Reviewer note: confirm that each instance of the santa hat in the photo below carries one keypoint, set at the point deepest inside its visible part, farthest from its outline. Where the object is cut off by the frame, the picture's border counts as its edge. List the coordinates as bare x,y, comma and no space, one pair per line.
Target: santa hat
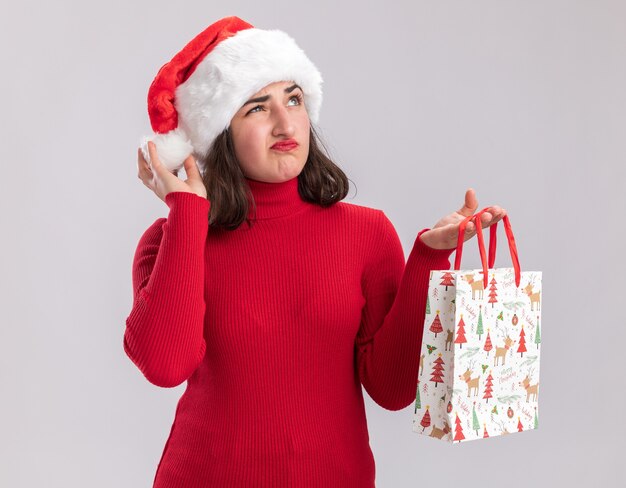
195,95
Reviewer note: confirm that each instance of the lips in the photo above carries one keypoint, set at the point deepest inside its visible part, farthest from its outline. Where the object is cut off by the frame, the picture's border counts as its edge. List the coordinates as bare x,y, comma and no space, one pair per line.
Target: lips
285,145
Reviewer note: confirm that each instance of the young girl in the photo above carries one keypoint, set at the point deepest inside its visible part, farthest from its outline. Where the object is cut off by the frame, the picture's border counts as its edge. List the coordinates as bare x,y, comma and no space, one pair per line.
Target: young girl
273,299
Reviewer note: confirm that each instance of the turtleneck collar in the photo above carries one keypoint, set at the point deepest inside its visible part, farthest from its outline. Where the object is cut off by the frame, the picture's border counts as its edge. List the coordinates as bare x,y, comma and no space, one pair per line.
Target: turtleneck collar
275,199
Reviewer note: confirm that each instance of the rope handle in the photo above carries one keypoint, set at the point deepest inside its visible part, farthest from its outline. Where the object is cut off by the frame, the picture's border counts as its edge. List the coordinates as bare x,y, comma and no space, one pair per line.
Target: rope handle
487,264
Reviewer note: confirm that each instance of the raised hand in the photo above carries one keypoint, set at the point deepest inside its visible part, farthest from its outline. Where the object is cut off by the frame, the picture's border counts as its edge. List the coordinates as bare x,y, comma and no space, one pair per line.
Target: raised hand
161,181
445,233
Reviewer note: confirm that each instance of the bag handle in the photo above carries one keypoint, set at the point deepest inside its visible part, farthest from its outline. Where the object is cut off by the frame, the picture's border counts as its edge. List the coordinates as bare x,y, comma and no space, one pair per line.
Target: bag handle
492,245
492,240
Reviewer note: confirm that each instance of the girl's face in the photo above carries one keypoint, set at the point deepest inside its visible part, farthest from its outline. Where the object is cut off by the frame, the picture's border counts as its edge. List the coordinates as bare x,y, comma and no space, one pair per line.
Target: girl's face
273,115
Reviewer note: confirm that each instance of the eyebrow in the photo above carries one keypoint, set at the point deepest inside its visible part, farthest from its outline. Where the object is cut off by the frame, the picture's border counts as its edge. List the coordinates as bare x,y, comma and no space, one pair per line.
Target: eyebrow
267,97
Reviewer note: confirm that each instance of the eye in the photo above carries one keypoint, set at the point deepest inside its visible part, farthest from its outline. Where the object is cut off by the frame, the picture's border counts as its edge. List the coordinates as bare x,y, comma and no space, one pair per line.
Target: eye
297,96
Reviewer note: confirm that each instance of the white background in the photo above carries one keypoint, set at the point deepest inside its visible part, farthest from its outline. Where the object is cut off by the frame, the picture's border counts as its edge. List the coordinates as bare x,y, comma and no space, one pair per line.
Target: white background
524,101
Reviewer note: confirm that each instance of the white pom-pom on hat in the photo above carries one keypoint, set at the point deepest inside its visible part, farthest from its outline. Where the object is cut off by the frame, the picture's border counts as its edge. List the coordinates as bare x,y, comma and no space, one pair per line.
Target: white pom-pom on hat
171,147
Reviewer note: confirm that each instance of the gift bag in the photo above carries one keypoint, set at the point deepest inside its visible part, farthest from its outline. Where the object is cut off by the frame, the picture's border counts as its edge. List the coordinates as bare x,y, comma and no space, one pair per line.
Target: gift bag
479,363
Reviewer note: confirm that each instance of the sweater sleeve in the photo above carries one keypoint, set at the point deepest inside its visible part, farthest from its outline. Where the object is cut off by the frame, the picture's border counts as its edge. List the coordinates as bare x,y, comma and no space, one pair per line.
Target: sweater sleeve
164,330
389,339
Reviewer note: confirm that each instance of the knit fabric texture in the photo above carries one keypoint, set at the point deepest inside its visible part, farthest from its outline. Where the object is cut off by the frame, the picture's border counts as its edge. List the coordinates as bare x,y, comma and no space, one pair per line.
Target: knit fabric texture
275,329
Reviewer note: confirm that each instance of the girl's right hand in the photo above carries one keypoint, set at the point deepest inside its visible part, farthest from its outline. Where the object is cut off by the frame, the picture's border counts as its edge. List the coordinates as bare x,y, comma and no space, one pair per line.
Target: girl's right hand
161,181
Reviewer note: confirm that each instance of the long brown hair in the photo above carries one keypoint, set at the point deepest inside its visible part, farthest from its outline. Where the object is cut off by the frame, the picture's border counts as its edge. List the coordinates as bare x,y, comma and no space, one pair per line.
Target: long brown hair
321,181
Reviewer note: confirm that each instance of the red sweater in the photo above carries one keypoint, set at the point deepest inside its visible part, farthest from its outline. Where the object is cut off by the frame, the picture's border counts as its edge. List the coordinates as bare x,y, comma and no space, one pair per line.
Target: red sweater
275,328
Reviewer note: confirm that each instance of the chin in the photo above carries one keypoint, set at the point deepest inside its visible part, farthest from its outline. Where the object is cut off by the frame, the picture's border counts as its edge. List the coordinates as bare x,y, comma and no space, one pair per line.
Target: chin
289,170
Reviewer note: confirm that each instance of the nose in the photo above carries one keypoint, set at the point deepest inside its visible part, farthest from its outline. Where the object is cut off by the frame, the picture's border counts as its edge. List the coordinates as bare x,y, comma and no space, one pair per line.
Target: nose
283,123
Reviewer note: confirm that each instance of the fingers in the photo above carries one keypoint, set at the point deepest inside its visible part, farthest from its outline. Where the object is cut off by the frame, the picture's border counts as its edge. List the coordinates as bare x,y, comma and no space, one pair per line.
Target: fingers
488,218
149,170
144,173
157,167
495,214
471,203
191,168
154,159
470,229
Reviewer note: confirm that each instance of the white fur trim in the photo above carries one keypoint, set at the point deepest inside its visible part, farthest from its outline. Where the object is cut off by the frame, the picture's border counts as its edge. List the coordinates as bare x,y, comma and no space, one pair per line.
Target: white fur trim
172,148
232,72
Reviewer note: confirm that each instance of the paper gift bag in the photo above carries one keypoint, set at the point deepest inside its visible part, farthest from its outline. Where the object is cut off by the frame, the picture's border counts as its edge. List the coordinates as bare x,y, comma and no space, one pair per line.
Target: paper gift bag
479,363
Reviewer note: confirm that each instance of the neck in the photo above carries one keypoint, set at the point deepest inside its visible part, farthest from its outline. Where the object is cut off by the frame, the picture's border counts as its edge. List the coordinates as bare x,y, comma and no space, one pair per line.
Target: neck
275,199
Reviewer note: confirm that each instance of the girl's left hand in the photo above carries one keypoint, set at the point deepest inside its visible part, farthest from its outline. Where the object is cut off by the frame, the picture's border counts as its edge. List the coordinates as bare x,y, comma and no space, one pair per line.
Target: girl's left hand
445,233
